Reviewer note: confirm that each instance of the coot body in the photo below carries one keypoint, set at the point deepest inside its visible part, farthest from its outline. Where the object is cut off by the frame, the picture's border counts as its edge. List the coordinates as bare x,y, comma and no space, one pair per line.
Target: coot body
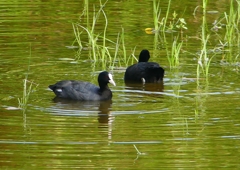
144,71
85,91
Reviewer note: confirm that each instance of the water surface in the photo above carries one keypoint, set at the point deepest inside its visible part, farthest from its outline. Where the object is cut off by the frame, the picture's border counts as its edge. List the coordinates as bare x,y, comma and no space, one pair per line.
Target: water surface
182,123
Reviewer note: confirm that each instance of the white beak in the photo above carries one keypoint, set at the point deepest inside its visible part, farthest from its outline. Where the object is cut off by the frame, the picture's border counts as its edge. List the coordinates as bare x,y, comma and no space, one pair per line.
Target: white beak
111,79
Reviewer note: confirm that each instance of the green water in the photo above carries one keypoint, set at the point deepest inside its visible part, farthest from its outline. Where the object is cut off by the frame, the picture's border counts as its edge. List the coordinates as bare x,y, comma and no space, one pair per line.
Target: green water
181,124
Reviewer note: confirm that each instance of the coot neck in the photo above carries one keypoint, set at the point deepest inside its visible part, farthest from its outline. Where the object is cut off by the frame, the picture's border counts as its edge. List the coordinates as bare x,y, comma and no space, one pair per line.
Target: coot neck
143,58
103,87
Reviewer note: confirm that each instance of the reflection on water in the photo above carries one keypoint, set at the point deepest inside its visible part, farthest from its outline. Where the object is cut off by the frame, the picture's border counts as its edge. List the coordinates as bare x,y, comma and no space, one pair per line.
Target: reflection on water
148,89
154,87
103,108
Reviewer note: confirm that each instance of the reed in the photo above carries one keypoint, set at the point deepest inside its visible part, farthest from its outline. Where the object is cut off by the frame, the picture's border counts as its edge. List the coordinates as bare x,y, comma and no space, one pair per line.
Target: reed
27,90
123,47
116,51
86,12
120,54
77,35
76,31
166,17
232,35
97,51
204,60
99,45
104,48
159,26
156,15
173,59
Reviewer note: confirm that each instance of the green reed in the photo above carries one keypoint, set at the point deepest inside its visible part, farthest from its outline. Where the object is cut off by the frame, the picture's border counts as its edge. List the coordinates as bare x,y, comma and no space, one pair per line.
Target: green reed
98,44
160,26
77,34
123,47
27,90
76,31
173,59
116,51
86,12
232,35
156,14
204,61
97,50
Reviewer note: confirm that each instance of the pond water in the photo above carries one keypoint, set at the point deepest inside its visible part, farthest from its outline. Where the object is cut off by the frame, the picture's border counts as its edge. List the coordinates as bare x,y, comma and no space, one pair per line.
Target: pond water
183,123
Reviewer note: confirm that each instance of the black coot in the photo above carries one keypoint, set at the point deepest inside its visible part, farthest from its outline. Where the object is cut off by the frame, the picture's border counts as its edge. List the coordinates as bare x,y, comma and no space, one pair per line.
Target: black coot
144,71
80,90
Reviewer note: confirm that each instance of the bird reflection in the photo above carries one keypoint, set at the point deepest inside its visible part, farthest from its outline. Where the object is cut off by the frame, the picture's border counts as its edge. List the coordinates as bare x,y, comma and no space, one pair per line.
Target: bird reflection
153,87
103,107
104,111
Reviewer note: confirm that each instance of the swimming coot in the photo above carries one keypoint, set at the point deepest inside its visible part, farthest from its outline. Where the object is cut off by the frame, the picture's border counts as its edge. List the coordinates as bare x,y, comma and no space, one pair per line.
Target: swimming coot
144,71
80,90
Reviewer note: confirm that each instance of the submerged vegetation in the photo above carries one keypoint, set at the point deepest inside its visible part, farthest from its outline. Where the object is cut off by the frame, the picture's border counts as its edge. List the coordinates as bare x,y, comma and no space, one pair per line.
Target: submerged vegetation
170,31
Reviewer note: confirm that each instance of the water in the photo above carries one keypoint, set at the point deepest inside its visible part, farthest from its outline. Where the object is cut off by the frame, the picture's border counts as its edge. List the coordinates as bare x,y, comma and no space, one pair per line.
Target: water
177,125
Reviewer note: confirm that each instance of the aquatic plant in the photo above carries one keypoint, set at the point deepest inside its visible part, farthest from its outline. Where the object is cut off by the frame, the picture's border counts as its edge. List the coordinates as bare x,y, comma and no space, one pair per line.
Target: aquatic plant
27,90
156,16
161,26
228,44
173,59
23,101
99,46
160,30
123,47
98,51
204,60
232,35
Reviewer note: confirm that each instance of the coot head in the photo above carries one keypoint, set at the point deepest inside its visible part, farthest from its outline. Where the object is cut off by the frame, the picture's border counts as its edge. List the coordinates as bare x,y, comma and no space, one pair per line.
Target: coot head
144,56
104,78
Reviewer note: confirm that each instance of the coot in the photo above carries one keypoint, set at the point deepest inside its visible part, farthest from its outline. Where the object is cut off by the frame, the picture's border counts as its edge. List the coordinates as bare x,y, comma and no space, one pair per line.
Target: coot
85,91
144,71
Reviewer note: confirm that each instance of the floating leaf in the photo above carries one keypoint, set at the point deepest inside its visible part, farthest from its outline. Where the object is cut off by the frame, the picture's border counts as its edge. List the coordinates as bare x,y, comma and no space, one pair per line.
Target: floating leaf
150,30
